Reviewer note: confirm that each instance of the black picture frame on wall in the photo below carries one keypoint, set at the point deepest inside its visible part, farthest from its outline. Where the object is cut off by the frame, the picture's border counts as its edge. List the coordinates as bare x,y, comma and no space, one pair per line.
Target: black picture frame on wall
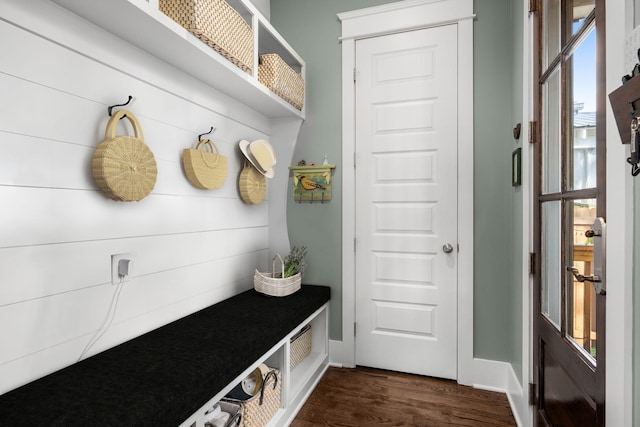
516,167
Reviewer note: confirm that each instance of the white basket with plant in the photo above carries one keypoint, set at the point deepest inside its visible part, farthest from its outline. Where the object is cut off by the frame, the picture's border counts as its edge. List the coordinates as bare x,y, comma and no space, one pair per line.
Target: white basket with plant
287,280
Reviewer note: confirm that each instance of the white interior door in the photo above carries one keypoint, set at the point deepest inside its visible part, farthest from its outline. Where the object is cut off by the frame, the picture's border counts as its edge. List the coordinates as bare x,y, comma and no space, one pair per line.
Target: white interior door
406,202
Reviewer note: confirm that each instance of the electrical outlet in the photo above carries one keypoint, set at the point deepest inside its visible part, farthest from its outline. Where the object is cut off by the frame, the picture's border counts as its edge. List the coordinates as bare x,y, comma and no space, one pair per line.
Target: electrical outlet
115,264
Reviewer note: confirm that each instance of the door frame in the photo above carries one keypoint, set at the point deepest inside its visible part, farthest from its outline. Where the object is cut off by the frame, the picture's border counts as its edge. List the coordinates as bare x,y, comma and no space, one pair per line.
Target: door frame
388,19
620,225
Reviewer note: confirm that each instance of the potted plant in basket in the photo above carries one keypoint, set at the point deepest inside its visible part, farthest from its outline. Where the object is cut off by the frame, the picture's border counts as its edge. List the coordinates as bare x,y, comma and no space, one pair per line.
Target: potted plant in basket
294,263
286,281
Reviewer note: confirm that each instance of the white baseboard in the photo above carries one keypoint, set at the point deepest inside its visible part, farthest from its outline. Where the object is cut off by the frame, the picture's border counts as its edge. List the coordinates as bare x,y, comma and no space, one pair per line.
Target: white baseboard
518,399
500,377
336,354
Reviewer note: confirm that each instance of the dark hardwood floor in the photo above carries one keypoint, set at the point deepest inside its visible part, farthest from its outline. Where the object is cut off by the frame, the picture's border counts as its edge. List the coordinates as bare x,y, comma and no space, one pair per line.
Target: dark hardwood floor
372,397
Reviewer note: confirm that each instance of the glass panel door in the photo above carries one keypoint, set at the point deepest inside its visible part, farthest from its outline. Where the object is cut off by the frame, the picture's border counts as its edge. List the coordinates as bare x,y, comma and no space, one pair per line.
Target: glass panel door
569,189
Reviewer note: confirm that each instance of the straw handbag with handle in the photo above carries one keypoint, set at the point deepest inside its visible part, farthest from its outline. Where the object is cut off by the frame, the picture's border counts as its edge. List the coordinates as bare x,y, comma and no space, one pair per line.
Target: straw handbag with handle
205,170
258,410
252,185
122,166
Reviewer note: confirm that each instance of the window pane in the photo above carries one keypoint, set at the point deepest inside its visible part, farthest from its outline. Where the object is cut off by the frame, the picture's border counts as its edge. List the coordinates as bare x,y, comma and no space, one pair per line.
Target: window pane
551,131
581,297
579,10
551,262
551,31
581,133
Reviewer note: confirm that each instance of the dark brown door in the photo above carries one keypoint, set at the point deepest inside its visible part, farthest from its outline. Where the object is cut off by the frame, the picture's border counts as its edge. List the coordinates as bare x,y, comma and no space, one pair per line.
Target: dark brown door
569,310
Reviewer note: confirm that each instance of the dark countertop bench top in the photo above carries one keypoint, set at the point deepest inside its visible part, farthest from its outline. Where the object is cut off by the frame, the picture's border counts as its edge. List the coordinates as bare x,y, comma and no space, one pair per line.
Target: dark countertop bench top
162,377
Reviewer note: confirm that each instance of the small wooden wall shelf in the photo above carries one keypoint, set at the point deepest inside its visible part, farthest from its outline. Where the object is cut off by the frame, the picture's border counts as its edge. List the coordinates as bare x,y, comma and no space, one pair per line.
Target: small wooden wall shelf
625,103
312,183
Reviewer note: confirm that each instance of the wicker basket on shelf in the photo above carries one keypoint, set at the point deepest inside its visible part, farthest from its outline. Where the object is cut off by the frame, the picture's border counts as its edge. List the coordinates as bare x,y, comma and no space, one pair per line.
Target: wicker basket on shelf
300,346
283,80
275,284
217,24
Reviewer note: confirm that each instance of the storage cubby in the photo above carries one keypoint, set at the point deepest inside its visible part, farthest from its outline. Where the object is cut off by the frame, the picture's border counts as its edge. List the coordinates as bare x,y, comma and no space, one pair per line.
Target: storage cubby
304,371
271,42
141,23
297,383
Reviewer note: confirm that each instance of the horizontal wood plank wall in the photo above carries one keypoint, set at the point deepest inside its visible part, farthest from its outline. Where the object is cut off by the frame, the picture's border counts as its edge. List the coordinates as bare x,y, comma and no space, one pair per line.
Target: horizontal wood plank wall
190,247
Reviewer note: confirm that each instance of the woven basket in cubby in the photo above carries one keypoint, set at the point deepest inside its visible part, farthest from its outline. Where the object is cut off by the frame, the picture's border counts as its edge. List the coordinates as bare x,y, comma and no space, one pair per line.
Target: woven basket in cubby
217,24
300,346
283,80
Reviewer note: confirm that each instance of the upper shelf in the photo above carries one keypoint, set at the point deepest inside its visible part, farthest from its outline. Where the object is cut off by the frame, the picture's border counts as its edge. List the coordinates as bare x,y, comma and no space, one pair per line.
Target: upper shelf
140,23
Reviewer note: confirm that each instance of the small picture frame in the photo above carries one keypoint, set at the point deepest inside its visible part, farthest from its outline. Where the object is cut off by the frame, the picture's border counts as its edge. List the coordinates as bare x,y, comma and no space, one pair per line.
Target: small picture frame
516,167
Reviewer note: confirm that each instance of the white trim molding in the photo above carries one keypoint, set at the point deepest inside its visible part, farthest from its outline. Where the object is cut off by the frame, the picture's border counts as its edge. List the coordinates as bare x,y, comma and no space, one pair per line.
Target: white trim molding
620,223
388,19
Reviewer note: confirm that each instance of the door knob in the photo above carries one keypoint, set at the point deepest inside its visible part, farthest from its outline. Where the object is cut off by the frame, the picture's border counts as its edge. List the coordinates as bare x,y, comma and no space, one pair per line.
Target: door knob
581,277
447,248
598,278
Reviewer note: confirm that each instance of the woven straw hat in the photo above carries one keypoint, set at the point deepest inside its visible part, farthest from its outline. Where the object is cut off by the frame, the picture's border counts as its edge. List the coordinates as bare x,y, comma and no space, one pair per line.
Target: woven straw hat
261,155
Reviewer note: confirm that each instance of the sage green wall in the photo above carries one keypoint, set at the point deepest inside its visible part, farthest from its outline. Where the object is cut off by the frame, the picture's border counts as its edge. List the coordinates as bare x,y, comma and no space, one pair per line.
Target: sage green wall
312,28
495,311
516,357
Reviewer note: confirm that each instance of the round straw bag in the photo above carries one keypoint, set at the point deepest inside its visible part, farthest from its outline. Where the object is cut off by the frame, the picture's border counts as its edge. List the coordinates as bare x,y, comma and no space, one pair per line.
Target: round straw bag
123,167
205,170
275,284
252,185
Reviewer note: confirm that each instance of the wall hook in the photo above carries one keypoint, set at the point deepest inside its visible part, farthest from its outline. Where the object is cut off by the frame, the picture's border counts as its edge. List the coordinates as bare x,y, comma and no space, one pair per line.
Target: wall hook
212,130
110,109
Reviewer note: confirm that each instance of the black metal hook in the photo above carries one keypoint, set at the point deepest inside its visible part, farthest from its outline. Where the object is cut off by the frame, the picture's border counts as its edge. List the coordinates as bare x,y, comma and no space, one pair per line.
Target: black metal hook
212,130
110,109
635,169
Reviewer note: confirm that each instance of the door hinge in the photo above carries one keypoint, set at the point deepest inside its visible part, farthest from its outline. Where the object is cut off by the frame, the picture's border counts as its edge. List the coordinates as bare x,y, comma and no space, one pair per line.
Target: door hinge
533,6
532,263
533,132
355,328
355,72
533,398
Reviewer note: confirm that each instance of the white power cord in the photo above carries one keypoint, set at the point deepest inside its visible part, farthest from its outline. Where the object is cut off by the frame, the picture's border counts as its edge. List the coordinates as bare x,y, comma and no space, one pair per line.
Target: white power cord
107,322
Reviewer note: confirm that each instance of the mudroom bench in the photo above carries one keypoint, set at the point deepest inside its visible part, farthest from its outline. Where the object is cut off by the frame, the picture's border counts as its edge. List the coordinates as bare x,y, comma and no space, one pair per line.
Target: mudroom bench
172,375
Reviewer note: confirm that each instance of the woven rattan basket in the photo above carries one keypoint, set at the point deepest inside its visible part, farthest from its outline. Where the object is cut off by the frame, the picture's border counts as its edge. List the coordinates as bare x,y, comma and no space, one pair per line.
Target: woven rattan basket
300,346
252,185
273,284
205,170
258,410
122,166
278,76
217,24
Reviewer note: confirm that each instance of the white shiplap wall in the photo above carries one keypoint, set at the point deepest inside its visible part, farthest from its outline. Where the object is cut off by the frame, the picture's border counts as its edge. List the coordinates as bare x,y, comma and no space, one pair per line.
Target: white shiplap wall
190,247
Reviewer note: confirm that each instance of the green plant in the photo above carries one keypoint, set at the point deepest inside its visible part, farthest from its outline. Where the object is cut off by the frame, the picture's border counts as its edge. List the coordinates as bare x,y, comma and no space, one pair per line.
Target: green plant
294,263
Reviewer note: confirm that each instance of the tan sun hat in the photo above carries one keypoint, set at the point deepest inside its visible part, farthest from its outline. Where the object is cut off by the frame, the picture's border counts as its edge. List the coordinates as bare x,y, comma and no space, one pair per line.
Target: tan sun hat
261,155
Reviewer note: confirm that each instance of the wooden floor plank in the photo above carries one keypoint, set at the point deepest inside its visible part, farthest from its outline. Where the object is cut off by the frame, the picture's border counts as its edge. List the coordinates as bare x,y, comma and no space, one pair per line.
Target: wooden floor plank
372,397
